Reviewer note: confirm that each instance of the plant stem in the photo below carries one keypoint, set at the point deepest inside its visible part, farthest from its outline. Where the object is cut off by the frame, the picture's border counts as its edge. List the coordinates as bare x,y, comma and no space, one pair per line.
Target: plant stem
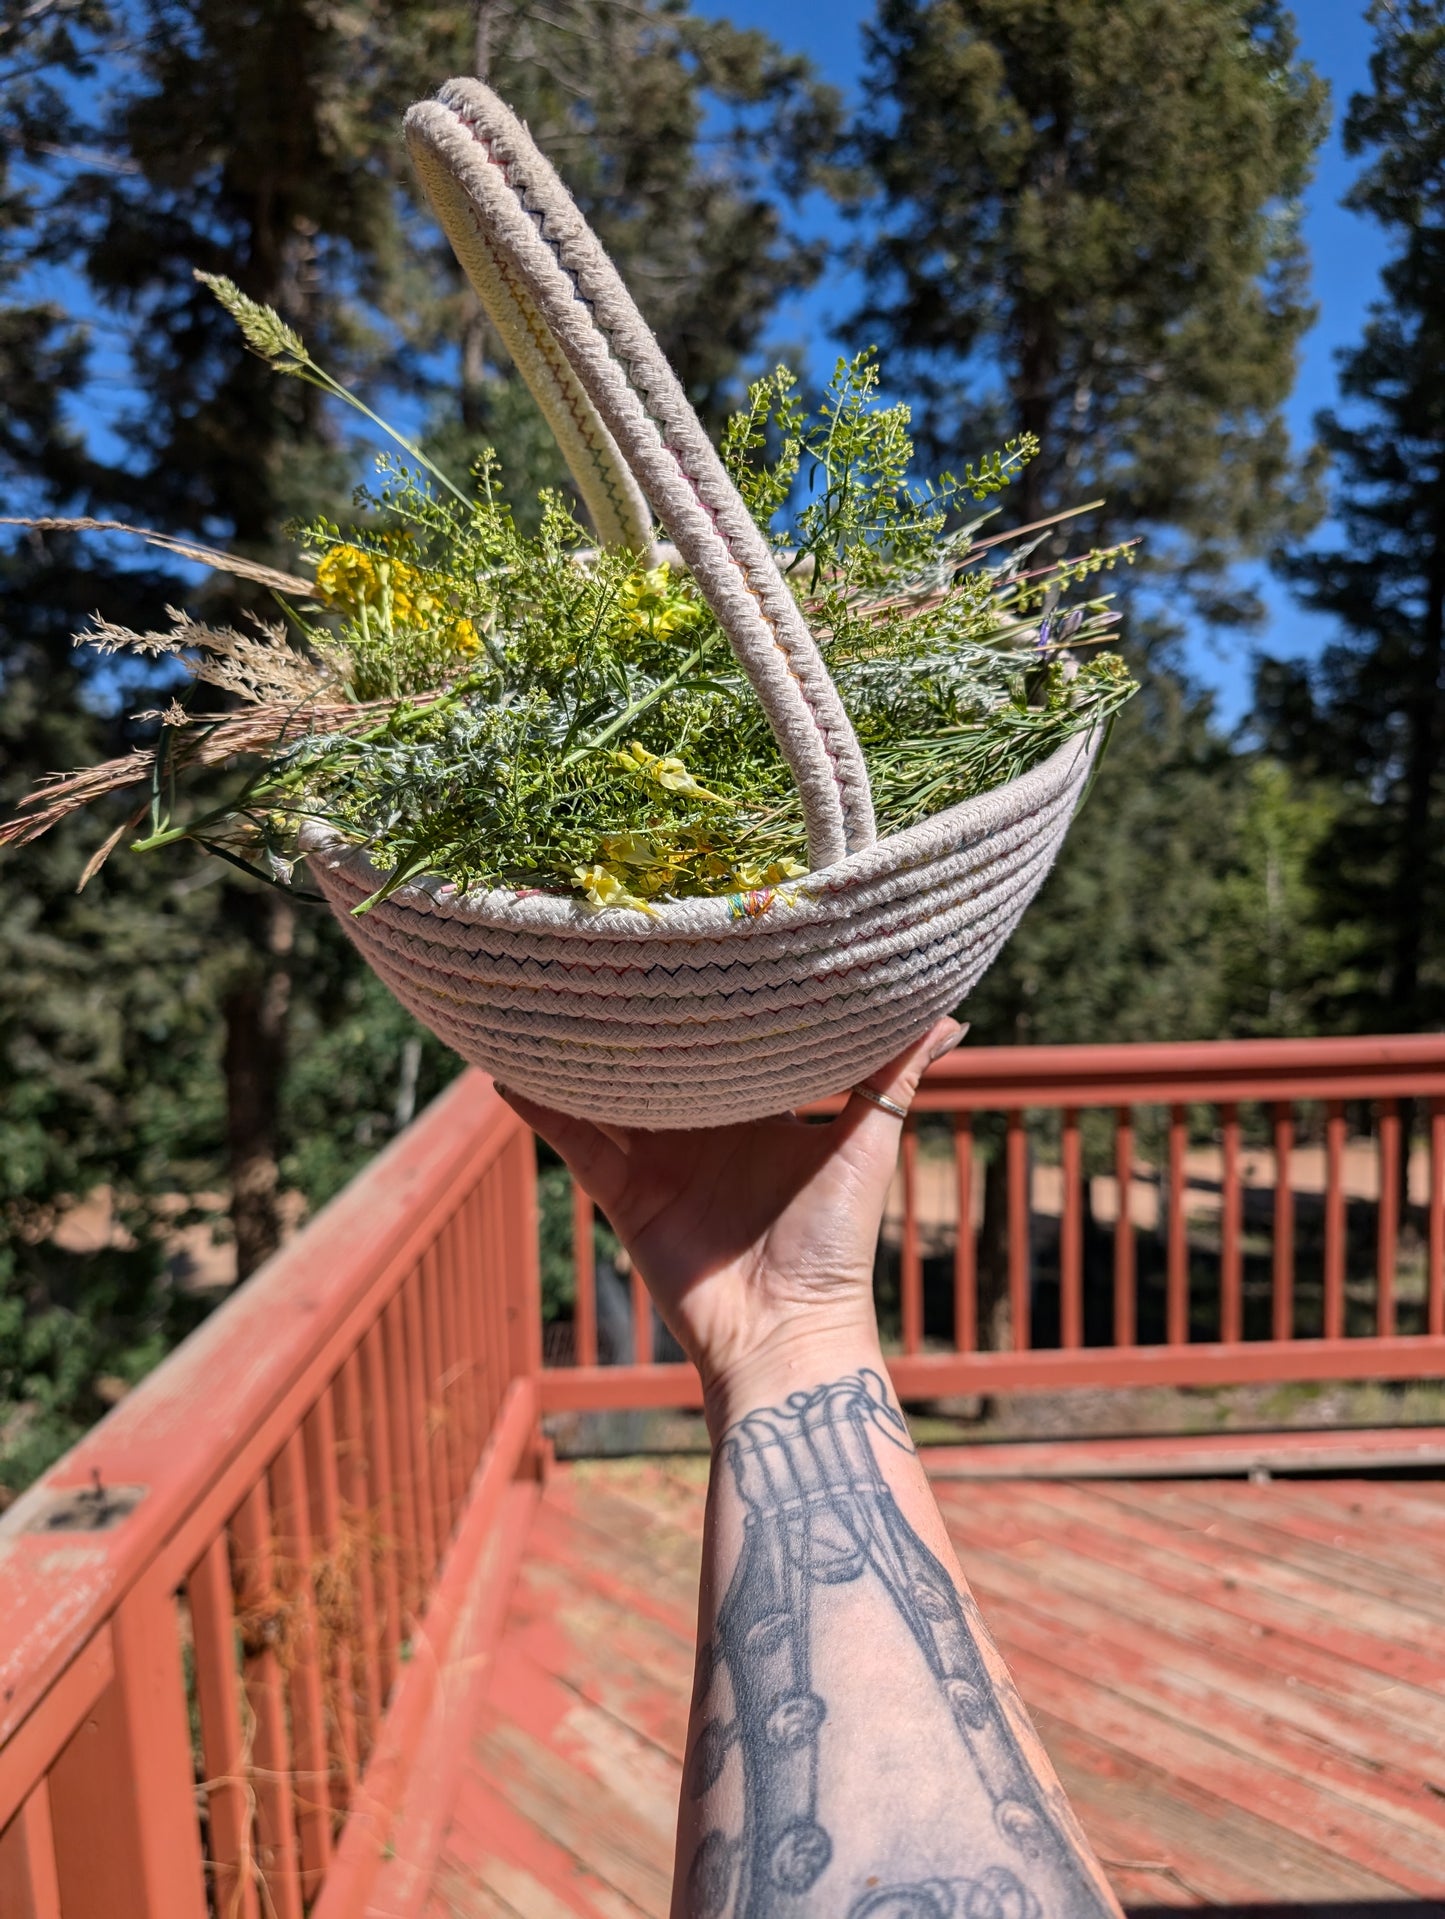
637,707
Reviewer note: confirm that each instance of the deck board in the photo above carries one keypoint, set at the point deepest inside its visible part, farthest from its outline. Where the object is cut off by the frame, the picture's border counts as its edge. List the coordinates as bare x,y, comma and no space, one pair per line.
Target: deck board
1242,1686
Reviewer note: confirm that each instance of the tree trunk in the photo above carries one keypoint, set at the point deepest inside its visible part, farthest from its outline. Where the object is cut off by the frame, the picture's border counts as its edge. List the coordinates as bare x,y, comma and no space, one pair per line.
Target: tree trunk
1418,852
255,1010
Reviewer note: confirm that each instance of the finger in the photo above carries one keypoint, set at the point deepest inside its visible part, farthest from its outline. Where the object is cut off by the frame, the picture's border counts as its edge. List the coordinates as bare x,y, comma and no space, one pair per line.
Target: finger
592,1154
898,1080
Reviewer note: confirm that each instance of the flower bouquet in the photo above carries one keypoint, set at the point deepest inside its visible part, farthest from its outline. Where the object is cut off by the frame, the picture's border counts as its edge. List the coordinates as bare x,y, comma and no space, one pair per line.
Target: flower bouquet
670,829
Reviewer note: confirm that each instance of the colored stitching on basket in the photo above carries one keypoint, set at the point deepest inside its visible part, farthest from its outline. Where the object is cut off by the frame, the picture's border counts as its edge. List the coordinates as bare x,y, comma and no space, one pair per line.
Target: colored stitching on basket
538,216
750,906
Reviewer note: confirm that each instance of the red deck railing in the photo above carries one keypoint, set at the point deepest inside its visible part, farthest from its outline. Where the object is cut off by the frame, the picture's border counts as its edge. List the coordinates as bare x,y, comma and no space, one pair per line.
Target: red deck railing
243,1622
1329,1312
226,1615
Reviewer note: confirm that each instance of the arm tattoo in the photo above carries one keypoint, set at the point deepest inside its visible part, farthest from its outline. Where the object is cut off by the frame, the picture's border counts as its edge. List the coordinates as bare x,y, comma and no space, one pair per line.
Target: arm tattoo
820,1515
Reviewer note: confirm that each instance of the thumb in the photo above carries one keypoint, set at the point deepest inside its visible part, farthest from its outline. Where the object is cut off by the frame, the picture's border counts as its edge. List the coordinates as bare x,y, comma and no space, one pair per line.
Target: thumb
897,1082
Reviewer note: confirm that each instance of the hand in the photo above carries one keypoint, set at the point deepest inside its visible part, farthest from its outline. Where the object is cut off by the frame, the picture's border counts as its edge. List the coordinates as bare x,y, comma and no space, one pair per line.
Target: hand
756,1241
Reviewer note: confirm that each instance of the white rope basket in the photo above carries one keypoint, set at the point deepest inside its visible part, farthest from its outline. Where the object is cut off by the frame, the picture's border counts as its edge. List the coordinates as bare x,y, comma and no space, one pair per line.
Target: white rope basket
708,1011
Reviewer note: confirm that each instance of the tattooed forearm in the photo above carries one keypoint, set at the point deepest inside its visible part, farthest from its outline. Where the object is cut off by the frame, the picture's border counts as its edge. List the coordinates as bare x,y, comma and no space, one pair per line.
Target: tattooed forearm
853,1753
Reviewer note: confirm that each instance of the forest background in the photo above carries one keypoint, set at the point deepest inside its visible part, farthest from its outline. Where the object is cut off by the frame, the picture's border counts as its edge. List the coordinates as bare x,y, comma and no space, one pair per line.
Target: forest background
1080,218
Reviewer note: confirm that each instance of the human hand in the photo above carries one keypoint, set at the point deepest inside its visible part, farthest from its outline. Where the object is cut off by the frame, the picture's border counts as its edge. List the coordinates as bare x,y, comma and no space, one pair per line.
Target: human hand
756,1241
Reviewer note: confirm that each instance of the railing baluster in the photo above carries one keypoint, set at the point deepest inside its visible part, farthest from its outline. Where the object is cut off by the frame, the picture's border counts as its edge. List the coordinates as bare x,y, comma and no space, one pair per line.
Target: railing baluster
584,1268
223,1743
123,1791
418,1424
454,1365
440,1438
965,1259
1388,1222
333,1580
641,1320
403,1466
1176,1308
385,1501
1435,1238
1282,1299
359,1519
488,1302
1071,1235
910,1270
464,1279
523,1266
1126,1330
29,1882
259,1606
305,1694
1019,1224
1231,1257
1334,1322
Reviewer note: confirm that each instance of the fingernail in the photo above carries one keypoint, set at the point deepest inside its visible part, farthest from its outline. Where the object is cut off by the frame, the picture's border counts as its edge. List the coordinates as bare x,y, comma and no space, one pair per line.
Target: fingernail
947,1045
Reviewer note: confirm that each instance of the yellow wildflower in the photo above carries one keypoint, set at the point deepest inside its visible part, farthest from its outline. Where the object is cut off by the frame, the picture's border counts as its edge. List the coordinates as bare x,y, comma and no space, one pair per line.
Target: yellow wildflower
667,772
351,578
603,887
650,607
634,849
749,875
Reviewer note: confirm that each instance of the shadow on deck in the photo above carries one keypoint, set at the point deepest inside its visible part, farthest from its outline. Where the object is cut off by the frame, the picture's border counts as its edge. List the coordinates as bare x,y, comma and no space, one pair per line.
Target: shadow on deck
1242,1686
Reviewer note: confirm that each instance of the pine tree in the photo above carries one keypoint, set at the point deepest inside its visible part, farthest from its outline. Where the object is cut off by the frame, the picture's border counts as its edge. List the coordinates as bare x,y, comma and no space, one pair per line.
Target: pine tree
679,137
1086,226
174,1029
1089,232
1371,714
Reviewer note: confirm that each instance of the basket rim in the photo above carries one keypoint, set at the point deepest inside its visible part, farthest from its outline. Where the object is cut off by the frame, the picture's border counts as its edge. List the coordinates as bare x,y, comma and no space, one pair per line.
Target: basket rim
720,915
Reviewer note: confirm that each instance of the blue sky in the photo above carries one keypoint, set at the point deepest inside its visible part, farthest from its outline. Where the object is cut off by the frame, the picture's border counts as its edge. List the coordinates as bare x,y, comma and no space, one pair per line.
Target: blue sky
1346,251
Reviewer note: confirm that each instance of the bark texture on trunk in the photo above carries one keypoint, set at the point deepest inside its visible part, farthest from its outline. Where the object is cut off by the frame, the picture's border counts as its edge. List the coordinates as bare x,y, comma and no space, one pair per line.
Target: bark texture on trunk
256,1010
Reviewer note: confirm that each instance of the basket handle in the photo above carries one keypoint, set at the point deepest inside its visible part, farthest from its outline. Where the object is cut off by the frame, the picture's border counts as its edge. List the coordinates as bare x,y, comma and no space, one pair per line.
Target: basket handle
627,430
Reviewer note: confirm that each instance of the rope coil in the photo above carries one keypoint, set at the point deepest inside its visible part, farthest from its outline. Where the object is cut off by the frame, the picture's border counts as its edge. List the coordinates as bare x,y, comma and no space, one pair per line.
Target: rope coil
708,1011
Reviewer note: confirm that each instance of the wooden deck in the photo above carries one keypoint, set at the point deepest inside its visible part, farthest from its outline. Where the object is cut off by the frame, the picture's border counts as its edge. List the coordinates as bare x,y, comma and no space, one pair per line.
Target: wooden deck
1242,1685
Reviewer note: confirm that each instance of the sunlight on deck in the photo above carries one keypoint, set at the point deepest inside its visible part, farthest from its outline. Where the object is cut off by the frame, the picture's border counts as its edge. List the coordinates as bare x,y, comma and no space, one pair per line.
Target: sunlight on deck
1242,1686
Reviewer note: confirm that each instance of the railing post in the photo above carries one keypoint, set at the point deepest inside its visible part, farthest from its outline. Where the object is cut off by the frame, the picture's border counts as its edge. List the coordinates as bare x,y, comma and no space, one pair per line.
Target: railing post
523,1274
1282,1300
29,1887
1125,1275
965,1260
1071,1234
1435,1234
1020,1275
1336,1220
1388,1222
123,1792
910,1269
1176,1279
584,1270
1231,1248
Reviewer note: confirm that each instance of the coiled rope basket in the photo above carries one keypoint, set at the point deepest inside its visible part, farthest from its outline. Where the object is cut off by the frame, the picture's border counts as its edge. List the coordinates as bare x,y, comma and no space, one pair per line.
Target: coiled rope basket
710,1011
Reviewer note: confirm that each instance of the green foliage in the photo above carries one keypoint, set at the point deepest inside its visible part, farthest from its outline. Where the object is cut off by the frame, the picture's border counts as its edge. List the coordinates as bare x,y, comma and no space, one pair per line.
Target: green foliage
1370,714
539,722
1087,223
169,1029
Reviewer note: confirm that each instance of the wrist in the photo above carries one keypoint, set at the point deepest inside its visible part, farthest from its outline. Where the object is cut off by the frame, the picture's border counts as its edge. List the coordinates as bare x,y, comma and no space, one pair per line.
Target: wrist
804,1352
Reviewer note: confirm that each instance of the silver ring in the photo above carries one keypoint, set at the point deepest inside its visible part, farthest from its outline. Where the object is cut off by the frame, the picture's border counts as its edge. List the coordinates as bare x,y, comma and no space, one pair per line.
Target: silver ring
881,1099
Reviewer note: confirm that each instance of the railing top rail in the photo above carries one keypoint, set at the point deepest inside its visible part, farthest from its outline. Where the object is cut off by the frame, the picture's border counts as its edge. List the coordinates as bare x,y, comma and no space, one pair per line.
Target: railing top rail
192,1436
993,1078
